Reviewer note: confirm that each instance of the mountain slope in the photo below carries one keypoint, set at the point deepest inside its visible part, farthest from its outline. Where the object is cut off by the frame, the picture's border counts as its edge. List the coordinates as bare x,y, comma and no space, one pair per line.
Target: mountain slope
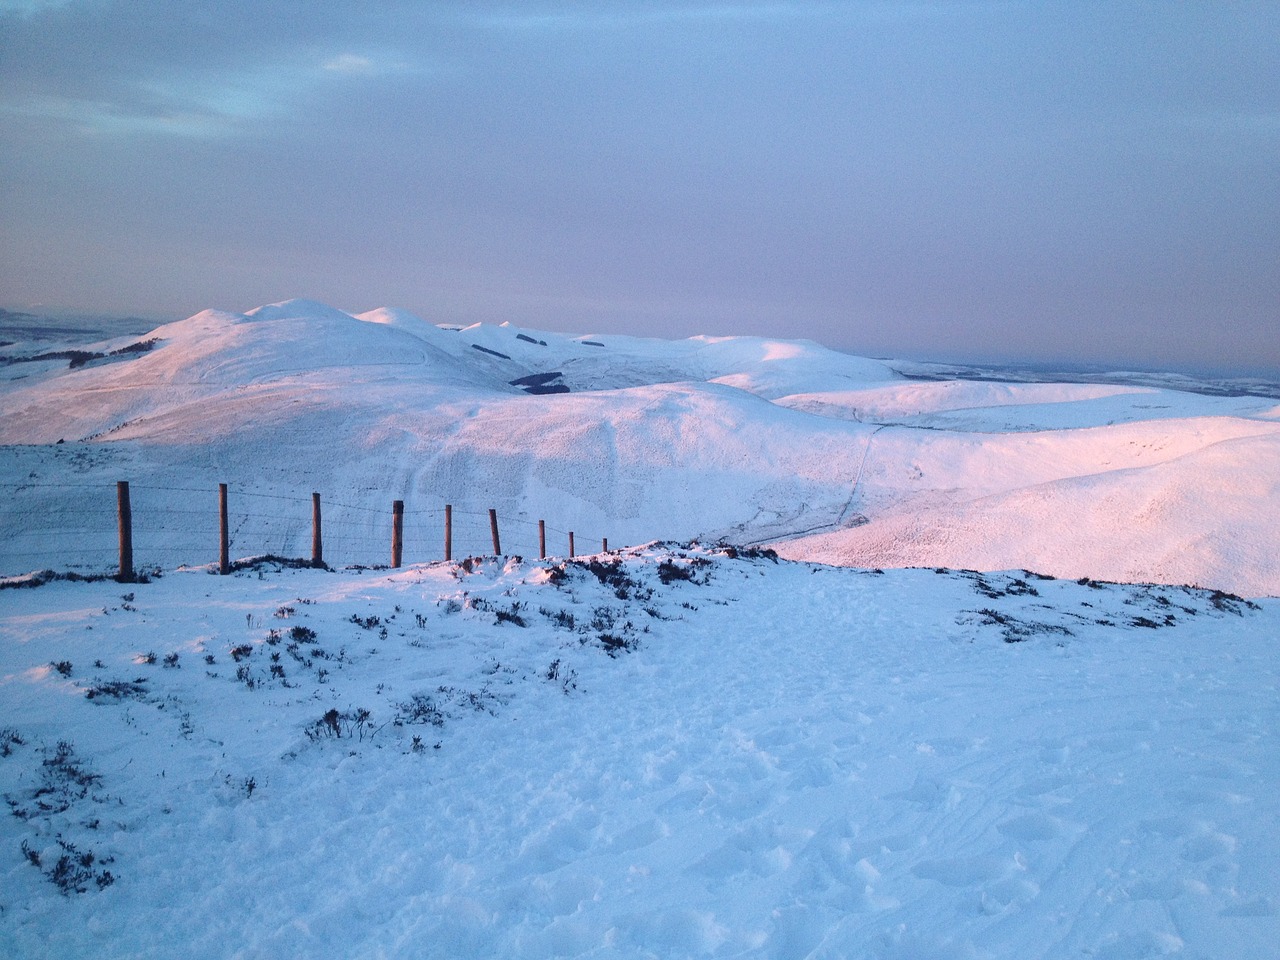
827,456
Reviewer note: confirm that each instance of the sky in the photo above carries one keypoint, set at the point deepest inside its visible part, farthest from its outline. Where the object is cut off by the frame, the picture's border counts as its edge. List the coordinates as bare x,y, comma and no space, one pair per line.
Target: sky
1055,182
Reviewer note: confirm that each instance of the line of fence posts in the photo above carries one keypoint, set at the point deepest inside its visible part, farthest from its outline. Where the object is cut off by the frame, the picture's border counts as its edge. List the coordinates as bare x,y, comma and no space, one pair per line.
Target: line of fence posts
124,515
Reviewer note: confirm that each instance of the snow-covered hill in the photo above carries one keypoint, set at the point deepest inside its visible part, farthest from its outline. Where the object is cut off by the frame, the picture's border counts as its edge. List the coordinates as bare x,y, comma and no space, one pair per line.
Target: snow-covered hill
824,455
669,753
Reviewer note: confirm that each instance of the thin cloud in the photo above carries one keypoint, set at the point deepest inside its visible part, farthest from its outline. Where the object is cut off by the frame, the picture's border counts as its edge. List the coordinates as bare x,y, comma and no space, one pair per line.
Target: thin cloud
183,107
625,17
386,63
92,117
207,105
30,8
349,63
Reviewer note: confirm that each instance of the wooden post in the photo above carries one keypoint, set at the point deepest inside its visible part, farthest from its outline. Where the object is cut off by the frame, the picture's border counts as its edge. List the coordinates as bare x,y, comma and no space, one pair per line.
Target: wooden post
542,539
224,538
604,545
124,517
317,541
570,543
397,532
493,529
448,531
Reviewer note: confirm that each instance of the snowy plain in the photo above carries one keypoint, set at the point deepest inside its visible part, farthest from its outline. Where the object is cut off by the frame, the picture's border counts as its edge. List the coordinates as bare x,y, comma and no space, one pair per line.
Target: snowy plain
668,751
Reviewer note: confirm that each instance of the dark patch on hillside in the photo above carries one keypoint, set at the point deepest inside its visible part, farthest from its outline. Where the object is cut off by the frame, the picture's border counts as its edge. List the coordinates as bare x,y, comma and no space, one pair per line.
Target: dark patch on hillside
541,383
78,358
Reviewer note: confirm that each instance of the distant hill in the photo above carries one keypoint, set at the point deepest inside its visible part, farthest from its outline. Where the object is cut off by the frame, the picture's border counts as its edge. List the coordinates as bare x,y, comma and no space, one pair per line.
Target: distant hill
823,455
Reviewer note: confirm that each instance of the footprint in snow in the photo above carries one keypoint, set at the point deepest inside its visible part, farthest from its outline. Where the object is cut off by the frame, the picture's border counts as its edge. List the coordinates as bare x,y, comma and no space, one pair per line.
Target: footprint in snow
1138,946
1162,889
1031,827
964,871
1255,907
1208,845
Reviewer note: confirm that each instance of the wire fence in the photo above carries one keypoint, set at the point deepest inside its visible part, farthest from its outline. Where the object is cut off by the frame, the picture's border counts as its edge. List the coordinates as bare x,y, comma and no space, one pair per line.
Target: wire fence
79,527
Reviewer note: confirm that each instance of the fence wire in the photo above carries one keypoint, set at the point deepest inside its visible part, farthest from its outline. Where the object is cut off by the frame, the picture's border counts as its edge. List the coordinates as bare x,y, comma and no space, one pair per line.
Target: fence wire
76,527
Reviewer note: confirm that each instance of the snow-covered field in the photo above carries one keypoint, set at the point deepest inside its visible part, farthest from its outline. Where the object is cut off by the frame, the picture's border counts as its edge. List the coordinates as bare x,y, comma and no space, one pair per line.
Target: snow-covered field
668,754
822,455
668,751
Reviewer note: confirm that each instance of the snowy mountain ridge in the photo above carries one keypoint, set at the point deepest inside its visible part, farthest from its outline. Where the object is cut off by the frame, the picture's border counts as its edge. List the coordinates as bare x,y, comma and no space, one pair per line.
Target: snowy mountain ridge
822,455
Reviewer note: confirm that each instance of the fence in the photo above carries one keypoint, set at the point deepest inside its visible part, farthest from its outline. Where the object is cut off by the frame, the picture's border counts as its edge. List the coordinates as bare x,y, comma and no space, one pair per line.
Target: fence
94,526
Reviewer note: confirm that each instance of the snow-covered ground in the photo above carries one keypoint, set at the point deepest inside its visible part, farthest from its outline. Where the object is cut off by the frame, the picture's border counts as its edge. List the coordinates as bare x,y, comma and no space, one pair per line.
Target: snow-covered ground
672,753
823,455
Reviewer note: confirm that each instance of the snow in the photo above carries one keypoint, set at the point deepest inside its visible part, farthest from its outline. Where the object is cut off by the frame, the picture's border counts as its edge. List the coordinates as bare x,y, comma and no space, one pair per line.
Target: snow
919,751
823,455
778,759
1175,504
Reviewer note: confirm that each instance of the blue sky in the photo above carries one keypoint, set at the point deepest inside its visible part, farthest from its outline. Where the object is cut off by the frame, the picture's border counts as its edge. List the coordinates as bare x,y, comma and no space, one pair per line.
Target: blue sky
1090,182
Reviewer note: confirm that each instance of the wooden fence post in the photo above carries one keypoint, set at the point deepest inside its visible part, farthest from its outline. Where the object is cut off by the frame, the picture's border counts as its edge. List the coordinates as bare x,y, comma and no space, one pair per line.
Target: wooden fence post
571,543
448,531
493,529
317,541
124,516
397,532
604,545
542,539
224,538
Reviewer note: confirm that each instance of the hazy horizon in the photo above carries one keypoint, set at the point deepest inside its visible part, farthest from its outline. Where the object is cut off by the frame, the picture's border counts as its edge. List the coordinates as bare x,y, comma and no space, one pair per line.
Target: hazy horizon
964,181
97,322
